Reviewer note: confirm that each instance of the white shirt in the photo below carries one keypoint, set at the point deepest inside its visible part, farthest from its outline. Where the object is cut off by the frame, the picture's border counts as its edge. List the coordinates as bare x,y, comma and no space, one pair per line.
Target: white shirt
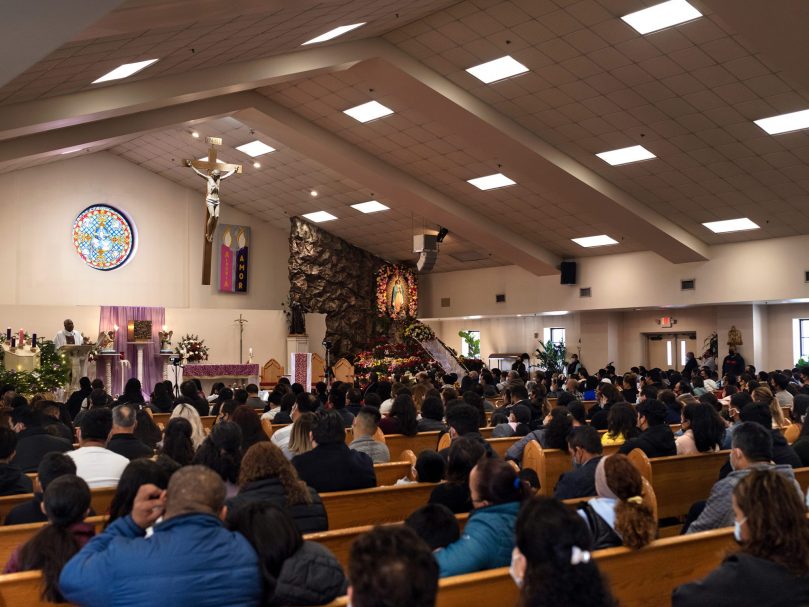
99,467
280,438
61,338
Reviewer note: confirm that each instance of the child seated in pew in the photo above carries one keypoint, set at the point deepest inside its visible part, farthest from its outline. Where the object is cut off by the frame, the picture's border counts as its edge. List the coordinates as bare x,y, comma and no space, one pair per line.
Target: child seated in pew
517,425
429,468
66,504
436,525
551,562
52,466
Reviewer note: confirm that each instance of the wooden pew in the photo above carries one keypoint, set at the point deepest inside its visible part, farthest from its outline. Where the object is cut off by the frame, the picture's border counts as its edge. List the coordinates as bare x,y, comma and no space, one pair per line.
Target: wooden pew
550,464
374,506
802,476
13,536
679,480
161,419
388,474
100,500
423,441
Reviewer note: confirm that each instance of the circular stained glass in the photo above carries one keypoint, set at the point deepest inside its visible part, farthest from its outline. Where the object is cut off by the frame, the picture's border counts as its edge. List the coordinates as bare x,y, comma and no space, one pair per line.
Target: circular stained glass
103,237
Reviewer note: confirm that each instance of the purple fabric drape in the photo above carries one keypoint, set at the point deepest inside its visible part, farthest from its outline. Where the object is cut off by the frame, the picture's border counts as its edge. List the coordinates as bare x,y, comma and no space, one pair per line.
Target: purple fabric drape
152,363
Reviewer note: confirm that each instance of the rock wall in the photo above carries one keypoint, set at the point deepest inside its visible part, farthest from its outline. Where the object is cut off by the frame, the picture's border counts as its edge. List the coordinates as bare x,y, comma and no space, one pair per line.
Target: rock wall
329,276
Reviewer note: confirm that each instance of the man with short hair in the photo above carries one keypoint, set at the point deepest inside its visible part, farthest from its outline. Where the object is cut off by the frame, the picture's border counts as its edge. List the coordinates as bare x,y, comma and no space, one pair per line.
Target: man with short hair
50,414
33,441
394,563
365,425
122,439
584,446
435,524
98,399
253,399
464,420
733,364
67,336
96,464
190,559
52,466
337,402
331,465
12,479
782,395
656,438
751,449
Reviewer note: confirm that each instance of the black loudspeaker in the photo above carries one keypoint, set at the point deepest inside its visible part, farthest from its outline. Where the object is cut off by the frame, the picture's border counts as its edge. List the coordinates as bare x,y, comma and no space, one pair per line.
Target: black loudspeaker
568,270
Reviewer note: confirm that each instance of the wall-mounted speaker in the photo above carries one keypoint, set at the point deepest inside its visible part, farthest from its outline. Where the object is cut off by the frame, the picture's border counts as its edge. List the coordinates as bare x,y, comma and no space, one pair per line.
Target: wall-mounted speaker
500,298
426,261
568,272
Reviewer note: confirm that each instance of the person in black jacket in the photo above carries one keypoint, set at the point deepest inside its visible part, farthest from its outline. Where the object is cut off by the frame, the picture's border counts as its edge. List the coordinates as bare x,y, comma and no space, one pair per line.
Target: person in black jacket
76,399
33,441
656,438
584,444
331,465
12,480
772,567
50,414
122,439
52,466
266,476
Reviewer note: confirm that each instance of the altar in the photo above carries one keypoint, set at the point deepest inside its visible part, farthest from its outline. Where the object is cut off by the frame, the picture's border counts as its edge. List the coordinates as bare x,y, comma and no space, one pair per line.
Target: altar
207,373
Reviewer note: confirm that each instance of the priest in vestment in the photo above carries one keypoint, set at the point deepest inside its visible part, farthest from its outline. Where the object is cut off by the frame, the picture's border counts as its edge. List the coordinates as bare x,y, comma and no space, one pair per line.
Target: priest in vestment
68,336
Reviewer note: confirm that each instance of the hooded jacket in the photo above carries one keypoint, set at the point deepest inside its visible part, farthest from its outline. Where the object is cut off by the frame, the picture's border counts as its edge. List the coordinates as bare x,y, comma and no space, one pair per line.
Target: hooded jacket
309,518
13,481
311,576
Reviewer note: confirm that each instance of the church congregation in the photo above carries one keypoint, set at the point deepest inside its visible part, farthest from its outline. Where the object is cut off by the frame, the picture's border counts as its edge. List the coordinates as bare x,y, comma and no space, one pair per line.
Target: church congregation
405,303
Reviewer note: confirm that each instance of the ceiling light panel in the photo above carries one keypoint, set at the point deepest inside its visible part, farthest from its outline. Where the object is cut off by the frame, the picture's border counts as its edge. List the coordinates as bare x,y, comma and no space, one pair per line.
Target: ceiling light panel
498,69
337,31
319,216
255,148
636,153
731,225
595,241
784,123
660,16
125,71
368,111
490,182
372,206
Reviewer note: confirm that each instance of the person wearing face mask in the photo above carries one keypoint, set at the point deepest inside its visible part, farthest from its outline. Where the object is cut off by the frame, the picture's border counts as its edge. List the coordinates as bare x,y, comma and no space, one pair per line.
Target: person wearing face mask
751,450
551,563
772,567
584,446
656,438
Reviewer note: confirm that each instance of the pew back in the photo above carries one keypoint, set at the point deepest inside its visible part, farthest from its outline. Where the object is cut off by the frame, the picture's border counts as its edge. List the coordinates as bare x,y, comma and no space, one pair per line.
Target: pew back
374,506
100,500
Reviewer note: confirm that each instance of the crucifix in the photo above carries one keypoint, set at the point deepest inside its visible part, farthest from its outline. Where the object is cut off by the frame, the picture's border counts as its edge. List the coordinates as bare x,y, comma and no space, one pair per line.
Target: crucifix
241,322
212,171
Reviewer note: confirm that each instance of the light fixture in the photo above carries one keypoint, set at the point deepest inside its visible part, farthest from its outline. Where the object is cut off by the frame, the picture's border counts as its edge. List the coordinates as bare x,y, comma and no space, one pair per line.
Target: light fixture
218,160
556,313
313,193
195,135
125,71
368,111
636,153
476,317
255,148
601,240
659,16
257,165
337,31
319,216
372,206
490,182
498,69
784,123
731,225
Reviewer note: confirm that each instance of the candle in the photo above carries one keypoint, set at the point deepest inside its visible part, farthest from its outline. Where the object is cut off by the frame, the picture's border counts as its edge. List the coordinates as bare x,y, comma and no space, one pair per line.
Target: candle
165,328
13,342
34,340
8,334
115,328
250,350
22,338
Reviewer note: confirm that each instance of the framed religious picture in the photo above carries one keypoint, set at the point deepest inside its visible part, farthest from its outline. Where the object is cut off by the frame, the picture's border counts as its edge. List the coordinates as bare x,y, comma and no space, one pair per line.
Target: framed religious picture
233,247
396,292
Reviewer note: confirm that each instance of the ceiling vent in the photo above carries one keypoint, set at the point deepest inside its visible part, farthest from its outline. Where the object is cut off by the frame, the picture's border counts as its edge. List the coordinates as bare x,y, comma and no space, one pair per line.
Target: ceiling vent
585,292
688,285
806,277
500,298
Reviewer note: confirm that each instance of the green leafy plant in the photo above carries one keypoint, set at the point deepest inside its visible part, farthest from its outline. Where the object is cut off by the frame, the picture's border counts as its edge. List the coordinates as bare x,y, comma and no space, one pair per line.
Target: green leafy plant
552,356
472,344
802,362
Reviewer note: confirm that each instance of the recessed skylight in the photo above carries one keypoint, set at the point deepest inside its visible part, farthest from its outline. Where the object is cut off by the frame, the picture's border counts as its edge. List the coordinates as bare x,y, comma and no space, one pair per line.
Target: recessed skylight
498,69
372,206
255,148
368,111
594,241
319,216
785,123
337,31
125,71
731,225
666,14
636,153
490,182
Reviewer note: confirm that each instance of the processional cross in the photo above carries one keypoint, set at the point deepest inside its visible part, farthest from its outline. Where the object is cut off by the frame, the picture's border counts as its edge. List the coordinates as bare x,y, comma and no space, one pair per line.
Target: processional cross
241,322
212,171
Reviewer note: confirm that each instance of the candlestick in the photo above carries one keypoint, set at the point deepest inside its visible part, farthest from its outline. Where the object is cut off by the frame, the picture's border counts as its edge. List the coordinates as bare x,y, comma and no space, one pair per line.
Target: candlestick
8,334
34,340
13,342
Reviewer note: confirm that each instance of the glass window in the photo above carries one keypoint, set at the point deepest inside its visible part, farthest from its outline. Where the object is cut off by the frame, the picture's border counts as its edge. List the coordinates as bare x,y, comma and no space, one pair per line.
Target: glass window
803,326
470,344
558,335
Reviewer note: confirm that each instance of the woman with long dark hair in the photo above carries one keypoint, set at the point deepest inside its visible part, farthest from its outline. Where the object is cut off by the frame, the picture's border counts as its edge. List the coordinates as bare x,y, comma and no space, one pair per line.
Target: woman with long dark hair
295,572
133,394
138,472
704,430
464,454
772,567
249,422
552,563
177,443
66,502
221,451
622,424
162,399
402,419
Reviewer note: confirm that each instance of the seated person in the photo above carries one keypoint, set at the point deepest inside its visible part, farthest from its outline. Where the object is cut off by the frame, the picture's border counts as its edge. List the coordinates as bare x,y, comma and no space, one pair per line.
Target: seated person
488,537
12,480
584,446
365,425
33,440
464,454
517,425
464,420
432,415
304,403
51,415
96,464
402,418
621,425
618,516
772,566
436,525
139,472
552,435
430,467
656,438
199,562
122,438
331,465
66,503
703,430
52,466
337,401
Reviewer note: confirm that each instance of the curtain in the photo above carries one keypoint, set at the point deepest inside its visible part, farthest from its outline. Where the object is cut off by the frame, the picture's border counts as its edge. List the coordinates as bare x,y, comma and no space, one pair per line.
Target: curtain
152,363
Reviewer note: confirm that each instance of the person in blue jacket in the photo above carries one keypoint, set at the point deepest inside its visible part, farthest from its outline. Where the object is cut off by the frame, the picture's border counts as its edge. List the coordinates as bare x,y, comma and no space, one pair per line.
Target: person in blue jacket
190,559
488,538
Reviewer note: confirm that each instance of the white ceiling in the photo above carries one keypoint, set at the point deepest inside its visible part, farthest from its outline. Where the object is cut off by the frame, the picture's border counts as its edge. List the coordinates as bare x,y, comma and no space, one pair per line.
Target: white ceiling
689,94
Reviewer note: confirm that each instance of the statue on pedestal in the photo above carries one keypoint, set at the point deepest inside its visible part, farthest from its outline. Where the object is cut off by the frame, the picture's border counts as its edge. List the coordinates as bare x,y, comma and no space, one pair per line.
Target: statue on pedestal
297,323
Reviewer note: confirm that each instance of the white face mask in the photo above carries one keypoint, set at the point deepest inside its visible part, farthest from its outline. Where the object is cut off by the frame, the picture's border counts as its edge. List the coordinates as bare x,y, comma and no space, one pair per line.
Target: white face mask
737,529
518,581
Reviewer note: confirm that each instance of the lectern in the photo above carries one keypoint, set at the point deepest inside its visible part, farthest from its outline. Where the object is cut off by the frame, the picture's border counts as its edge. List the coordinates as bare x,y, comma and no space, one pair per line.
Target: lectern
77,356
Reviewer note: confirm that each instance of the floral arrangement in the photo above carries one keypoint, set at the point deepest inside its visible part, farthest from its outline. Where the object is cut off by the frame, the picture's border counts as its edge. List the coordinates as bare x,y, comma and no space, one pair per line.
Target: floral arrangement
397,294
53,372
192,349
384,357
419,332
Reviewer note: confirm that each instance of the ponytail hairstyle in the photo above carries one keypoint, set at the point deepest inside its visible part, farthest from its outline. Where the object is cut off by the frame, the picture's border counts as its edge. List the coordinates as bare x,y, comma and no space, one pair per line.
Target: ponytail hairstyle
634,520
67,501
498,482
559,569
